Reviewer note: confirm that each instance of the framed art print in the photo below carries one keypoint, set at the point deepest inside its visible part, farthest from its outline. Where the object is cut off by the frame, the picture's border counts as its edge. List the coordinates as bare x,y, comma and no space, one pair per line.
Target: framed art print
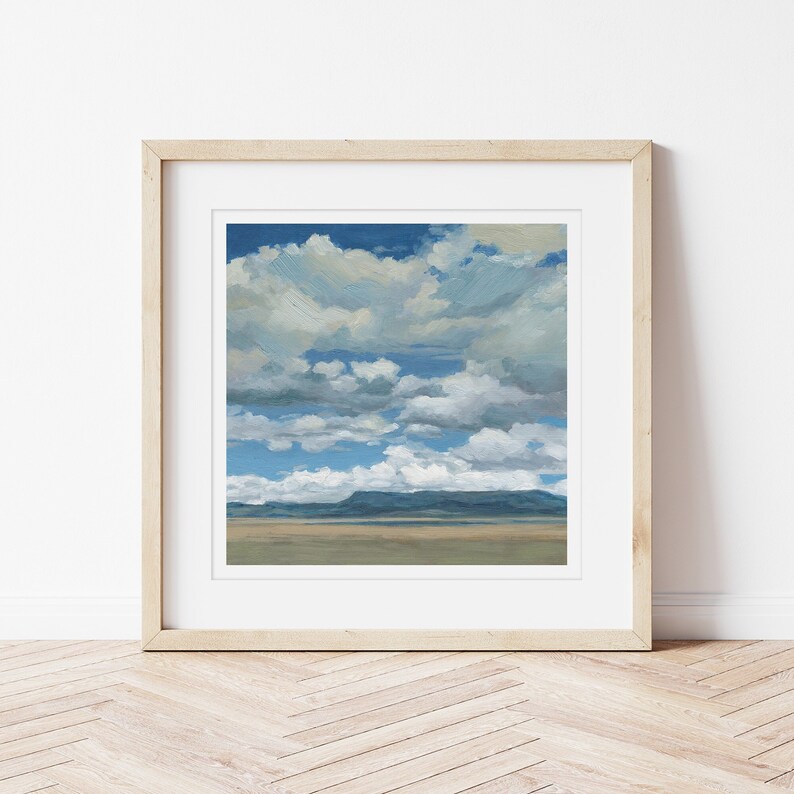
397,395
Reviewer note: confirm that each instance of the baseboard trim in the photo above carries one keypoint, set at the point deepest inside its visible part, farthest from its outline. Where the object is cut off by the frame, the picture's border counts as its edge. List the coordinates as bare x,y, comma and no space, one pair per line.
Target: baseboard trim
719,616
676,616
70,618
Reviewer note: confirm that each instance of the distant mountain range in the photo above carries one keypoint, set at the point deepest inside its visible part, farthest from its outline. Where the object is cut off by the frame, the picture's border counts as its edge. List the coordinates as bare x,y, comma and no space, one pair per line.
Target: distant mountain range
421,504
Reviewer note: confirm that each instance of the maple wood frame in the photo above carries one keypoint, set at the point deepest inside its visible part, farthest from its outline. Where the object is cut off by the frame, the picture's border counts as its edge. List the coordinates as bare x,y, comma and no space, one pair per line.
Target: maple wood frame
157,638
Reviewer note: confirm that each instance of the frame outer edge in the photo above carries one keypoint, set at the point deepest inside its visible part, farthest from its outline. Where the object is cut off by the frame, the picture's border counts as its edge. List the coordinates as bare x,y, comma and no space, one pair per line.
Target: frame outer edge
397,150
154,637
396,640
641,168
152,402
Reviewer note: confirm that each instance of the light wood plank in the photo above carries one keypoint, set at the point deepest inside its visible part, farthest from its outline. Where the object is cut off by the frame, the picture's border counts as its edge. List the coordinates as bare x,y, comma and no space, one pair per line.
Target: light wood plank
42,741
233,708
748,654
43,725
46,653
138,711
396,640
55,692
32,762
235,769
551,788
260,665
233,674
404,729
784,781
62,788
81,660
781,756
13,650
355,659
120,776
397,150
419,769
152,396
398,752
82,673
606,684
765,711
762,689
138,765
595,723
628,710
655,665
359,723
519,782
644,765
586,775
665,687
772,733
741,676
324,715
710,751
642,390
354,674
403,675
300,658
25,784
50,707
482,770
706,649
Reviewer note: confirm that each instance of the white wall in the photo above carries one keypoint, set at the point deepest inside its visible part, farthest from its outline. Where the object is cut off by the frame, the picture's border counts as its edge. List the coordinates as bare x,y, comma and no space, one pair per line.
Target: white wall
710,82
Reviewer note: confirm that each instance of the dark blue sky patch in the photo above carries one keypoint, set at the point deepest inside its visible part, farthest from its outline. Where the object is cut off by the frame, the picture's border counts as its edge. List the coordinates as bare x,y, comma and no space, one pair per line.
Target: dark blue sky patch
439,274
398,240
554,258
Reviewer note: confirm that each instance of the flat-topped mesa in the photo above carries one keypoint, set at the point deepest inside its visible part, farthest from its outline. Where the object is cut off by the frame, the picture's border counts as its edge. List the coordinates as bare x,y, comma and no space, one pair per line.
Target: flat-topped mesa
417,504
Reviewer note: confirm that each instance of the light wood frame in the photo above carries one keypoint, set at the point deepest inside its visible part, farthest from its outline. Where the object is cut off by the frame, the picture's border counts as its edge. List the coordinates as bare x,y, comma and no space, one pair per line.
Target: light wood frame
157,638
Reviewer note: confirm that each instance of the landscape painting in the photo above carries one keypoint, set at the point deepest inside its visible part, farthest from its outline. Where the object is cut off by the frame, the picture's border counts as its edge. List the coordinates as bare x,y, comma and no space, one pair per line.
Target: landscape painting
396,394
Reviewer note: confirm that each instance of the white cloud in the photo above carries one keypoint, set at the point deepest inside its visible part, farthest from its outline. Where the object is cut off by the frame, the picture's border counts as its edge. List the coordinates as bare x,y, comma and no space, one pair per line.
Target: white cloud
284,300
469,400
450,250
331,369
472,467
463,401
499,313
417,429
382,368
424,304
538,445
313,433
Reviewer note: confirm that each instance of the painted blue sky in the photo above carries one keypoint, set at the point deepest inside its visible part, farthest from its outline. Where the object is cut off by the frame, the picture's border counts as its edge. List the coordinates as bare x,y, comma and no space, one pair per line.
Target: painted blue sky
394,357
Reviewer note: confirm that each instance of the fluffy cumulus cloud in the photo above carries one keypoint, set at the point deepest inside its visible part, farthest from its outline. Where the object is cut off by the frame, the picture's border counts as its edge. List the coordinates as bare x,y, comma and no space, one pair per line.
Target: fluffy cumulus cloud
455,294
489,461
467,401
331,346
313,433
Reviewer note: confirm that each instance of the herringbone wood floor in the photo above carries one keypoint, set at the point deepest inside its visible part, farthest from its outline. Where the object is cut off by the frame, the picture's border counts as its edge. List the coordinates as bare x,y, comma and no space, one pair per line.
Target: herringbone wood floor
690,717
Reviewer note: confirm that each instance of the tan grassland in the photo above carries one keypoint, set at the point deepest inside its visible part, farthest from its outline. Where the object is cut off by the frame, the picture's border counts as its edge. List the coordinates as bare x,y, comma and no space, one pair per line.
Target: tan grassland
394,541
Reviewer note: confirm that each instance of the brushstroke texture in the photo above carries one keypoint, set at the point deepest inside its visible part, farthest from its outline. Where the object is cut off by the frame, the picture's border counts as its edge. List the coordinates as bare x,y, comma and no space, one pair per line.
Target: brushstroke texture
380,362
